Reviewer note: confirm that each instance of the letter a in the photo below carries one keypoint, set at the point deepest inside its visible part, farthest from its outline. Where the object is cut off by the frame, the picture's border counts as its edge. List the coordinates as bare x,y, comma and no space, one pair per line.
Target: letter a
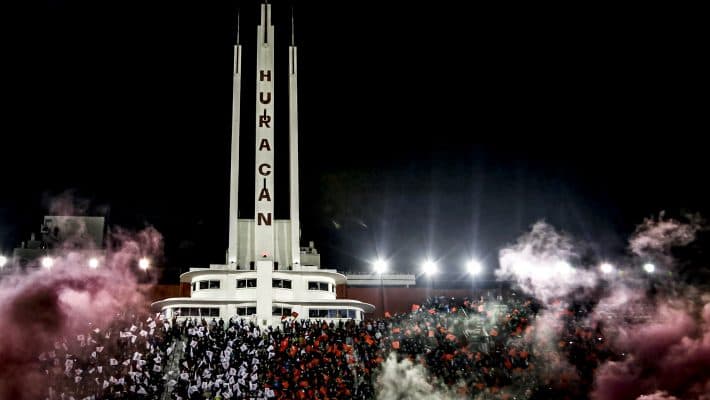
264,144
264,195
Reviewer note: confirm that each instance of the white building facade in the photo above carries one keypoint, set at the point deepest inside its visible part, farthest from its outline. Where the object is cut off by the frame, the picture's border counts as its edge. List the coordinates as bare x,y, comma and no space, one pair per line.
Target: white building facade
268,276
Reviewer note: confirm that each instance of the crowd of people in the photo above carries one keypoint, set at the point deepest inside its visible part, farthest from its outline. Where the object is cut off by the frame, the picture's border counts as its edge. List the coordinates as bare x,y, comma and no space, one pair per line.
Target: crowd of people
474,348
123,361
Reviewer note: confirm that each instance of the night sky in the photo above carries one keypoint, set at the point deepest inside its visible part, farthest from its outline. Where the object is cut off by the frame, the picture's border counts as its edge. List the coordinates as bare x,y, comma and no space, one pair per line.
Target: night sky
425,129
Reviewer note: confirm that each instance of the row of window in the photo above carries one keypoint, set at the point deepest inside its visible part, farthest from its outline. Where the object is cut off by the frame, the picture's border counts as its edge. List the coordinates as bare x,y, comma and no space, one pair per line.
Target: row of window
326,313
251,283
276,310
197,312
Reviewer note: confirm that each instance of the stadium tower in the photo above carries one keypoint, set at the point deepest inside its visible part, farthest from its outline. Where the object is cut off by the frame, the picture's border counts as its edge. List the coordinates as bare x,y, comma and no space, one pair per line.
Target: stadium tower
268,276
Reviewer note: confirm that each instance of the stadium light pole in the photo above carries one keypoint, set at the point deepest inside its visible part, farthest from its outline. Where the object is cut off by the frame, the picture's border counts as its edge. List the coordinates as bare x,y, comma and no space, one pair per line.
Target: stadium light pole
429,269
380,267
649,268
93,263
144,263
474,269
3,261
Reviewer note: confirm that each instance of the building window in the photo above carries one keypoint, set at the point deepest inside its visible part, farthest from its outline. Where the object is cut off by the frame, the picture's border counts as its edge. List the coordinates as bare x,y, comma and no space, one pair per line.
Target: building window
209,285
245,311
246,283
318,286
251,265
281,311
281,283
194,286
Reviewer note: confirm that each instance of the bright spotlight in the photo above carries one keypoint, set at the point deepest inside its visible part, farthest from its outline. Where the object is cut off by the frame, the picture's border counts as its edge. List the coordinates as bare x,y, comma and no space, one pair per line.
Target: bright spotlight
380,266
606,268
47,262
94,263
3,261
144,263
474,267
429,267
649,268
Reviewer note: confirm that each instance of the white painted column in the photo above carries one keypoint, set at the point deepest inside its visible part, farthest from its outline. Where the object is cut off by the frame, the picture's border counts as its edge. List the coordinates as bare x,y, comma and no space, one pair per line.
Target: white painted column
264,291
232,249
293,155
264,184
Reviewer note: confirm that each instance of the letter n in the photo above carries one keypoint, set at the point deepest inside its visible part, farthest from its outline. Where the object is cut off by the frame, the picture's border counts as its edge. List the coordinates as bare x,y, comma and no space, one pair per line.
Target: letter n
266,219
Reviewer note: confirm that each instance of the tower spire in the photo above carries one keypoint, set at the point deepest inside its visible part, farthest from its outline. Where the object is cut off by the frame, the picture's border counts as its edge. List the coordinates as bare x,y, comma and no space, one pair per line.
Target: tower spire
233,245
293,150
293,41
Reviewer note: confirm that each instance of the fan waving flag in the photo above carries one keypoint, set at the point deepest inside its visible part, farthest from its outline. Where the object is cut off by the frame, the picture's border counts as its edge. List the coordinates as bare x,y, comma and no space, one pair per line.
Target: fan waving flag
294,314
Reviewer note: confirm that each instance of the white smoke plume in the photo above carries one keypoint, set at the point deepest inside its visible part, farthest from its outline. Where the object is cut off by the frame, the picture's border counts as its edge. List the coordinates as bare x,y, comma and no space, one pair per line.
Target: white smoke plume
404,380
540,263
657,396
654,238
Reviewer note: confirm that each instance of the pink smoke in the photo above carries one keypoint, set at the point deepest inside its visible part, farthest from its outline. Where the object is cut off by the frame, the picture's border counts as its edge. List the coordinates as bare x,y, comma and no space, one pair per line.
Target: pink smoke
654,238
670,353
43,306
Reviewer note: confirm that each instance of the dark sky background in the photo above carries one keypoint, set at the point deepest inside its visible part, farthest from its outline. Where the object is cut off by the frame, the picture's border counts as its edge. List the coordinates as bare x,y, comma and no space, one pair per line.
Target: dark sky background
425,128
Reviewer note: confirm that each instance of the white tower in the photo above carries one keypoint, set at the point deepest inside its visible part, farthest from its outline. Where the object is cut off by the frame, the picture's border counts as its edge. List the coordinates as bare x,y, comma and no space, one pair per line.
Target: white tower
272,281
232,249
264,185
293,150
264,188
